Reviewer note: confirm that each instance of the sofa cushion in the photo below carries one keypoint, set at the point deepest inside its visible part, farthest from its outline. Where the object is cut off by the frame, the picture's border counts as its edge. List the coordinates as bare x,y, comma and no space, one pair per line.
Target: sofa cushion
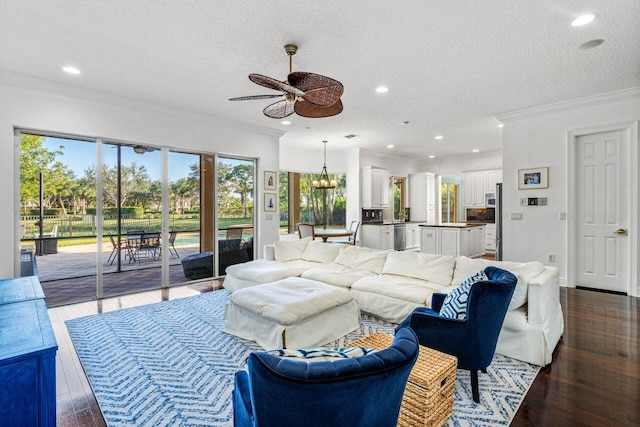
288,250
261,271
320,252
336,274
399,287
322,354
434,268
524,271
455,304
362,258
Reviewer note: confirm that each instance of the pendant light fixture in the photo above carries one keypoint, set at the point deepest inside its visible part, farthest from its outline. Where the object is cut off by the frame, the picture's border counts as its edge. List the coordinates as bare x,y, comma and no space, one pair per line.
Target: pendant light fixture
325,183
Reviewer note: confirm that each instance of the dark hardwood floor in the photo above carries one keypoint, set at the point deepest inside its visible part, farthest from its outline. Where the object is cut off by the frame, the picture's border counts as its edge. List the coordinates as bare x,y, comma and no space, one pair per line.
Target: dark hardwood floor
594,379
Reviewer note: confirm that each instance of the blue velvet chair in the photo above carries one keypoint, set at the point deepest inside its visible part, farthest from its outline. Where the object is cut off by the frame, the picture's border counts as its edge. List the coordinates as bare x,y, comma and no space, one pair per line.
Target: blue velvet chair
473,340
360,391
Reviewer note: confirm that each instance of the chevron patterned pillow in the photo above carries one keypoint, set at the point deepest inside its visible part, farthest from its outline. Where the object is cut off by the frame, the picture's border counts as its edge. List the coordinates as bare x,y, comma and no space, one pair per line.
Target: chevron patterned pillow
455,303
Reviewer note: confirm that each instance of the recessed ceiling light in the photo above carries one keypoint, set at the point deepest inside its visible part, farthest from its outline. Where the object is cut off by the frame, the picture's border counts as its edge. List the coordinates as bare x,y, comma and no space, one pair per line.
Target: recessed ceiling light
285,122
382,89
583,20
439,137
476,150
591,44
432,157
71,70
390,146
501,125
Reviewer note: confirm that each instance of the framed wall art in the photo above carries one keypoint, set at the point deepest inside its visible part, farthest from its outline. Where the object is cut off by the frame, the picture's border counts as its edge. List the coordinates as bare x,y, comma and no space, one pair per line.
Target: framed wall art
270,180
533,178
270,202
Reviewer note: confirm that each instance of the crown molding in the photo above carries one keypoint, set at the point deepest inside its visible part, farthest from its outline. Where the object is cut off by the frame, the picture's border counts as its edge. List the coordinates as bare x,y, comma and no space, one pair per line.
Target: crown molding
61,89
588,101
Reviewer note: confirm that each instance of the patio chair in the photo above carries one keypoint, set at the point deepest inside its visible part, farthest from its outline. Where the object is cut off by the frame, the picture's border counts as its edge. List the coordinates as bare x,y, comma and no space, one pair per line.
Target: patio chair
172,240
149,247
52,233
117,246
306,230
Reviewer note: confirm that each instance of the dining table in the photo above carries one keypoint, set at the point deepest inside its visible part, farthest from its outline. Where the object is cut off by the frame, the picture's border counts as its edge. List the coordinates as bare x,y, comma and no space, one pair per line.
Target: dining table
326,233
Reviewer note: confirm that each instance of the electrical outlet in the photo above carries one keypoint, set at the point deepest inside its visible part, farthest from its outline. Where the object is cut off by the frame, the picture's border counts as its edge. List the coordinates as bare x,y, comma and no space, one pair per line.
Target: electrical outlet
551,257
516,216
563,216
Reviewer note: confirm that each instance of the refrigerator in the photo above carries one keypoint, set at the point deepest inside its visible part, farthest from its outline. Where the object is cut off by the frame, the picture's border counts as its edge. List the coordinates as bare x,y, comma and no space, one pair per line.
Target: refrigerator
499,220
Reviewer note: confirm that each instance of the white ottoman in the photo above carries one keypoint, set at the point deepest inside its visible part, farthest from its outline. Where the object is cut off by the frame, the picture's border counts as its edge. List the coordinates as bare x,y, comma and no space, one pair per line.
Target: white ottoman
291,313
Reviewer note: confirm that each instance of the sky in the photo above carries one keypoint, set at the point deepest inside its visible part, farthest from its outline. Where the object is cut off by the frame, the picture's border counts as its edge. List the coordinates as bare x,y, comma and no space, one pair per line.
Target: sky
79,155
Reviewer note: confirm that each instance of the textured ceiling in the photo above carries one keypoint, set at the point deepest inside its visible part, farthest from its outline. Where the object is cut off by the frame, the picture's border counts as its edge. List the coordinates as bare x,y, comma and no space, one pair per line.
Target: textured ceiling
450,65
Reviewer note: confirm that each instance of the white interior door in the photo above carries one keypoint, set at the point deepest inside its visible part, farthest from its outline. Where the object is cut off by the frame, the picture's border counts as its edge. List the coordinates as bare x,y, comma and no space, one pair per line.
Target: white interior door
602,211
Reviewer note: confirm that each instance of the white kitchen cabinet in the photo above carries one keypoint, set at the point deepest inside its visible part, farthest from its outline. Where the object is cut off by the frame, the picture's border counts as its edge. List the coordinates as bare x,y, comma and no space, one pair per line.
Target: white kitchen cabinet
493,177
375,187
376,236
422,197
490,237
475,188
454,241
413,236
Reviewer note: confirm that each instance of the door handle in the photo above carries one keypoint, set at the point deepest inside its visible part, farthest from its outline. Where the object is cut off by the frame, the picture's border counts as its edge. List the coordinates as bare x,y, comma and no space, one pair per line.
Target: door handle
621,232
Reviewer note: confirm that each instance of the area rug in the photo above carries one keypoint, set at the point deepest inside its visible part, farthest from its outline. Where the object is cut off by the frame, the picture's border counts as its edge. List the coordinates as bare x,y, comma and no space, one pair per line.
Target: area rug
169,364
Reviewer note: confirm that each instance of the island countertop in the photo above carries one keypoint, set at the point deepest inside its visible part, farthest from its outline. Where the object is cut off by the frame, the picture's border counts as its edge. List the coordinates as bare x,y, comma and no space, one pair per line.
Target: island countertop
453,225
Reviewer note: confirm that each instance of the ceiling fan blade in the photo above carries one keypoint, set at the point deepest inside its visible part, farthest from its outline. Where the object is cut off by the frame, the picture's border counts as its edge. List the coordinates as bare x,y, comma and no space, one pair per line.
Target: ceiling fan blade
272,83
279,110
318,89
248,98
307,109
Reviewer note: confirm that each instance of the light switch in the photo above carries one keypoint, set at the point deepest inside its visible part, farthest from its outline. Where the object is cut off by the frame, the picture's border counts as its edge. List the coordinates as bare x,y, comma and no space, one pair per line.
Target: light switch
516,216
563,216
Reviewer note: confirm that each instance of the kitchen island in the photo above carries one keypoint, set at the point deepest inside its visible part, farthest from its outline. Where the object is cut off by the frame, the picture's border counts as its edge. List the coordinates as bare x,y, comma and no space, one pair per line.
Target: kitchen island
455,239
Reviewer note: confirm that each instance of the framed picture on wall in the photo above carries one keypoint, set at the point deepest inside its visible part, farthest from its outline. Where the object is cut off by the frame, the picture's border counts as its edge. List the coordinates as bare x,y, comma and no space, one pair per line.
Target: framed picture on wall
533,178
270,202
270,180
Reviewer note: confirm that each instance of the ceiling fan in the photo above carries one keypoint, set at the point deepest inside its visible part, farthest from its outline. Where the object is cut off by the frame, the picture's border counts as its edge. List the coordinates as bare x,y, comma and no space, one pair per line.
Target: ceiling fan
306,94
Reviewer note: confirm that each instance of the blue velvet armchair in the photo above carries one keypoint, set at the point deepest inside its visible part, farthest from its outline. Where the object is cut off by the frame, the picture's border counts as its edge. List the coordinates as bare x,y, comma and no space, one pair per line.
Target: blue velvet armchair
473,340
360,391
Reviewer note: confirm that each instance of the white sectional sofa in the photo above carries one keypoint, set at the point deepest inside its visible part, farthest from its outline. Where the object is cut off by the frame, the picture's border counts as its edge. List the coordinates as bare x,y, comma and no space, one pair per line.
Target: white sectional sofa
390,284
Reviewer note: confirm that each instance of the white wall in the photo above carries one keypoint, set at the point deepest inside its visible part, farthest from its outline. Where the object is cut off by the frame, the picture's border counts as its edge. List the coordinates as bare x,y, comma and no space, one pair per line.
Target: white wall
539,137
38,105
295,159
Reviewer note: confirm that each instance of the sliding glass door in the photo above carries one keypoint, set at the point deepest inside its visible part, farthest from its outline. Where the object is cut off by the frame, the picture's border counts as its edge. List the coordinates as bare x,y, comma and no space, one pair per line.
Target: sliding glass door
235,206
106,218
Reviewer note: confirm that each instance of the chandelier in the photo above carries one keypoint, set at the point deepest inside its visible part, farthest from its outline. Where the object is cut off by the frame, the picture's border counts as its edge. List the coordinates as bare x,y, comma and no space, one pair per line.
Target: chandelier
324,183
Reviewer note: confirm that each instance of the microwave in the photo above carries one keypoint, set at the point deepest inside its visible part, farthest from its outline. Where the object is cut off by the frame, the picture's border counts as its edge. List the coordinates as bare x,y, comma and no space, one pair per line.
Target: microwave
490,200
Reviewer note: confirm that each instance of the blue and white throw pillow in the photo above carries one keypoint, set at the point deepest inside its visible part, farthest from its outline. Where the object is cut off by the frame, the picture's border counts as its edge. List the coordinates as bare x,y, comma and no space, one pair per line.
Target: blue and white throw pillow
322,354
455,304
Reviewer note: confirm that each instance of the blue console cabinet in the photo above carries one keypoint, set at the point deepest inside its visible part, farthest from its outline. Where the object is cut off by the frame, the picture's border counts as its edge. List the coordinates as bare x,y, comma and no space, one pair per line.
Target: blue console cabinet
27,355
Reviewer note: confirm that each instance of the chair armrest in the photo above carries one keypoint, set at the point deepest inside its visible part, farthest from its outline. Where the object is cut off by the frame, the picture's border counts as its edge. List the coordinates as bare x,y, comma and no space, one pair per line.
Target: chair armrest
436,301
242,410
543,296
269,252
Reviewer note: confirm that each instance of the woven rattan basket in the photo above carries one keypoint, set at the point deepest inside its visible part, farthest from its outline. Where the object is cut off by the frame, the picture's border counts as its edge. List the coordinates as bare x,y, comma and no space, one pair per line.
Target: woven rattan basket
428,398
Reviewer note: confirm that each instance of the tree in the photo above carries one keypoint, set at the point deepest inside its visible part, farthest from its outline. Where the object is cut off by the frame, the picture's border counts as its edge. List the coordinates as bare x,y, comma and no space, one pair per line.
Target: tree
135,184
34,159
241,177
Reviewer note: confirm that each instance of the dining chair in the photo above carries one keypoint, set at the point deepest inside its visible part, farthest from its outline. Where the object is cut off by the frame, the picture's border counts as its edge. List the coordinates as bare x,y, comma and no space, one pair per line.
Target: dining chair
306,230
355,226
234,233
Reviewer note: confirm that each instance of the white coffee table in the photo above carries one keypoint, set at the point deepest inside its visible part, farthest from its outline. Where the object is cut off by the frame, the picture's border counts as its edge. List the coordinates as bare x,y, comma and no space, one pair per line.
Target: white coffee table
291,313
